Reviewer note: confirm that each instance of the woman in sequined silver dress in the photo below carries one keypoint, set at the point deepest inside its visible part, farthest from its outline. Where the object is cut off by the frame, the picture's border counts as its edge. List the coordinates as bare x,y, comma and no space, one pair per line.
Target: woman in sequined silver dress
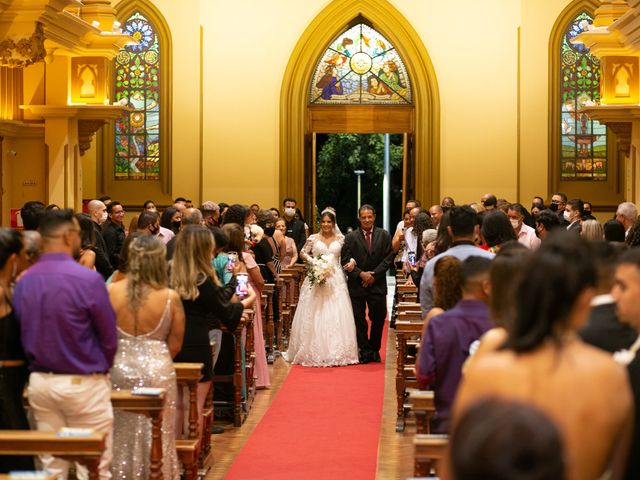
150,330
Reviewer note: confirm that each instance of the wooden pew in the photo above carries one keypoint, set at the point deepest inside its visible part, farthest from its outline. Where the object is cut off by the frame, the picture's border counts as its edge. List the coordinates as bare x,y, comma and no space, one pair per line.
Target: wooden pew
285,285
188,375
423,408
268,320
429,454
297,275
85,450
407,293
408,327
238,375
149,406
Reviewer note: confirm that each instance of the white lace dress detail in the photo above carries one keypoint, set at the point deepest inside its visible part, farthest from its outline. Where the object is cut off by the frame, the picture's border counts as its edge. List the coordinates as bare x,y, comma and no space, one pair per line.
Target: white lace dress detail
323,333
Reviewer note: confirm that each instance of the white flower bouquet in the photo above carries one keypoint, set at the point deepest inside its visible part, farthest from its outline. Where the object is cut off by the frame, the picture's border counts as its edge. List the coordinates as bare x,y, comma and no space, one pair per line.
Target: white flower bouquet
319,269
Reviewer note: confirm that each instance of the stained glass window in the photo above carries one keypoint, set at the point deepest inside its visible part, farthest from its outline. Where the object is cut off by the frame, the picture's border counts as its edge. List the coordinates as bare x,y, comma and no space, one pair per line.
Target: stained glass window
137,133
583,141
360,67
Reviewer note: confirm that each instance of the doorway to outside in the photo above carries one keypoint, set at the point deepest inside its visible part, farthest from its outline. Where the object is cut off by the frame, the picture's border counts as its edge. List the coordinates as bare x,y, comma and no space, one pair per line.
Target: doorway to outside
353,169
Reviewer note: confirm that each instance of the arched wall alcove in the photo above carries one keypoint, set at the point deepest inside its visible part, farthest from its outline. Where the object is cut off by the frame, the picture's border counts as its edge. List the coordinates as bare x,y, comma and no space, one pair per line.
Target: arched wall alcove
294,96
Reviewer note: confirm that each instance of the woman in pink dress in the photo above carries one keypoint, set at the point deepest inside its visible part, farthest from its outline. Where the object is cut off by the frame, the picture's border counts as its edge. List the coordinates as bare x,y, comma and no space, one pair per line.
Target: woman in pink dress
290,251
248,265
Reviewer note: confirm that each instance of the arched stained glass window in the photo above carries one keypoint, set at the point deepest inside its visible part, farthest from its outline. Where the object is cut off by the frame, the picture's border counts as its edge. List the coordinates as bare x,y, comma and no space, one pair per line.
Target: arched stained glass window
360,67
583,141
137,133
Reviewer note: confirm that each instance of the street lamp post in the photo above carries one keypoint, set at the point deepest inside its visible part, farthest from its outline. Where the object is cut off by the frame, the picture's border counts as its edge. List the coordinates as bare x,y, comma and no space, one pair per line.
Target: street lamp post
359,174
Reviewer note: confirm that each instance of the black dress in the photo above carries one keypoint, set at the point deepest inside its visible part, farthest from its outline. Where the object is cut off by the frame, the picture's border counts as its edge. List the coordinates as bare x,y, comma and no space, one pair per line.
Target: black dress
201,315
12,382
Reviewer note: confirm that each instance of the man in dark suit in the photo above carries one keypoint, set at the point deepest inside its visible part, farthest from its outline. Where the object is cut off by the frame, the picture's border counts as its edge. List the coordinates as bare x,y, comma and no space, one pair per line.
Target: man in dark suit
573,213
366,257
603,328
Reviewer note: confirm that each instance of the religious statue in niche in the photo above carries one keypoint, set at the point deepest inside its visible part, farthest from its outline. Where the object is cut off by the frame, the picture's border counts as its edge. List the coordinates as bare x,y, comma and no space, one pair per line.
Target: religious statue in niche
622,78
88,74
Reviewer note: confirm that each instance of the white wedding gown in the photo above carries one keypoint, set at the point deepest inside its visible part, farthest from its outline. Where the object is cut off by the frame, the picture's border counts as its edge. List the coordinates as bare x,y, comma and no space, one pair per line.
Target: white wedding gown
323,332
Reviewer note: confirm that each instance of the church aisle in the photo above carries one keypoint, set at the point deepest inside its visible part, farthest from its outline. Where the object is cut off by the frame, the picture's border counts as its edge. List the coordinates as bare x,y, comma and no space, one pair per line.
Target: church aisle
324,423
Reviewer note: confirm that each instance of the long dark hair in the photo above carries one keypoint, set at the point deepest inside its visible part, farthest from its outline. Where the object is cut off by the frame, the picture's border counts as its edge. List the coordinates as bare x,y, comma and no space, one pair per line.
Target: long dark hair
421,223
10,243
496,228
552,280
167,215
236,213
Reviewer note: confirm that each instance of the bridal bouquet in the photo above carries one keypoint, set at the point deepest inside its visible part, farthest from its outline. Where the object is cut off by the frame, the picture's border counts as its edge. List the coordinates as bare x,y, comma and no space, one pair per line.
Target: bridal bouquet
319,269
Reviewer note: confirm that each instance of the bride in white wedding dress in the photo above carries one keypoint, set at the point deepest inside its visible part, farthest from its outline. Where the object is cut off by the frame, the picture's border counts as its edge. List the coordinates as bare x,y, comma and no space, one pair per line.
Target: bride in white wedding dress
323,332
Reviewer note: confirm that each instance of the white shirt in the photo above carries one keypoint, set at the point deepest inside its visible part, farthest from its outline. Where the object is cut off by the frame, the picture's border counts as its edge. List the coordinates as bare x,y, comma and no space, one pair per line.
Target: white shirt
165,235
410,244
527,237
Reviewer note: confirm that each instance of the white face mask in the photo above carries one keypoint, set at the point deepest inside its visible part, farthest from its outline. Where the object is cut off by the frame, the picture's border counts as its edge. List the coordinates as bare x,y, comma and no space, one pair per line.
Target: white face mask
567,216
103,217
514,223
289,212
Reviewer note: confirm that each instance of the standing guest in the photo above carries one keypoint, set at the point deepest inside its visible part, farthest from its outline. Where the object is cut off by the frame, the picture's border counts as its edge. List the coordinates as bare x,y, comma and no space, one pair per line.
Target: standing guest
573,212
180,203
275,211
150,323
68,385
30,254
536,209
190,216
255,208
290,251
592,230
447,287
414,263
113,232
588,209
496,230
195,280
51,206
223,209
557,205
150,206
31,213
248,265
526,234
613,231
627,214
449,335
87,256
546,221
398,241
436,214
410,205
98,214
447,202
625,292
267,251
171,219
537,201
123,267
211,213
148,222
295,228
603,328
542,362
633,235
489,201
300,217
13,365
106,199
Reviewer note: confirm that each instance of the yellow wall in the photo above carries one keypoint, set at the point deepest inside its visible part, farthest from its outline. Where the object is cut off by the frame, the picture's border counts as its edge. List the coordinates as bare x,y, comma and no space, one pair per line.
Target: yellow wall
246,46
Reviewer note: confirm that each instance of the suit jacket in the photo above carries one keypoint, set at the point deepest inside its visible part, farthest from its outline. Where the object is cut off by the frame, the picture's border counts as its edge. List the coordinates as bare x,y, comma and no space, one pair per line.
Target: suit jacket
575,227
378,260
604,330
103,265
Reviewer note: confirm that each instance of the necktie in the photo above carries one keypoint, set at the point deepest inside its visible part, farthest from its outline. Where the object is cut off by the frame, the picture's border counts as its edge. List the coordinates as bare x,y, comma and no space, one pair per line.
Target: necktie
367,237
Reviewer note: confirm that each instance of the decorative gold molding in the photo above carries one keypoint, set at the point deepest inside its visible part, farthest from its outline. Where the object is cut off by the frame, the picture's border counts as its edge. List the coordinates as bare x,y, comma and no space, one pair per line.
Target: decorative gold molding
25,51
294,126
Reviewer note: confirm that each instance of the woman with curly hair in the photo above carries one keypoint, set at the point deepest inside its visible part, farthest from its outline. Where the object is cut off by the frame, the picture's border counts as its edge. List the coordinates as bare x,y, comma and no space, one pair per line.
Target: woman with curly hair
447,286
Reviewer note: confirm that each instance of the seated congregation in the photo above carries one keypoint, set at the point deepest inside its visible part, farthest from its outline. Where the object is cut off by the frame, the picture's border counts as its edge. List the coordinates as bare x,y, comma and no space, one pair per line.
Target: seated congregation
516,335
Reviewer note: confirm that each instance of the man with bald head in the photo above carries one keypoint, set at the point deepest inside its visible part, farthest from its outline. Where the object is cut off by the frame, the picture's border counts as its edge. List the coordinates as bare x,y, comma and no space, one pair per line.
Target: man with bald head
436,213
190,216
98,214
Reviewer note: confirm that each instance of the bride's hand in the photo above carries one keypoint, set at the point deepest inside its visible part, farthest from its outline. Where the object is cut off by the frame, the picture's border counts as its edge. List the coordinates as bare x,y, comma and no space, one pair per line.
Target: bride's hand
348,267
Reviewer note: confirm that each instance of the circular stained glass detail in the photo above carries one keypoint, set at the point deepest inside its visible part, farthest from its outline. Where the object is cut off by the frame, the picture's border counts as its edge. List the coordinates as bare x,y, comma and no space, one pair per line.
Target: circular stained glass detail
360,63
141,32
137,119
123,57
151,57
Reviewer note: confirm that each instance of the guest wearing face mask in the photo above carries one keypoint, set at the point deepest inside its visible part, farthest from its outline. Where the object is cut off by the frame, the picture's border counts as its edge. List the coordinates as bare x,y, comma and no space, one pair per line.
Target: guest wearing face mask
295,228
573,213
557,205
489,201
171,219
98,214
526,235
587,207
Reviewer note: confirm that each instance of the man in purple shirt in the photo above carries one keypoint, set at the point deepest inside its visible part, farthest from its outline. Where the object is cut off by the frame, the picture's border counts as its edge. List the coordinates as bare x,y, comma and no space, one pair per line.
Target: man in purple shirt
445,347
69,336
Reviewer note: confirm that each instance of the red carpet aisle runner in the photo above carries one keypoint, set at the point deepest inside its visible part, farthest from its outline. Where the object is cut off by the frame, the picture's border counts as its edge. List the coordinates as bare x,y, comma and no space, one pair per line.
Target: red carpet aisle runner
323,424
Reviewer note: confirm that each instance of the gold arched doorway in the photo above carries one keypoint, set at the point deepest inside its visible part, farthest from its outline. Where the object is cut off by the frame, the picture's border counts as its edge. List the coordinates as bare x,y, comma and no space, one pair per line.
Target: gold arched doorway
296,116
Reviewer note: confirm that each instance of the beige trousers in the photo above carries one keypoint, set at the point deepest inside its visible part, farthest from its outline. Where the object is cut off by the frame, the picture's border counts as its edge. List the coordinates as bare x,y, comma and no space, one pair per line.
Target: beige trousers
77,401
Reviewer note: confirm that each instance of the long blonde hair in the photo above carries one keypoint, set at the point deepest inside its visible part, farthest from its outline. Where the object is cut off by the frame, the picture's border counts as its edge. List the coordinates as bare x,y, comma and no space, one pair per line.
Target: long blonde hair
592,230
147,268
191,263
